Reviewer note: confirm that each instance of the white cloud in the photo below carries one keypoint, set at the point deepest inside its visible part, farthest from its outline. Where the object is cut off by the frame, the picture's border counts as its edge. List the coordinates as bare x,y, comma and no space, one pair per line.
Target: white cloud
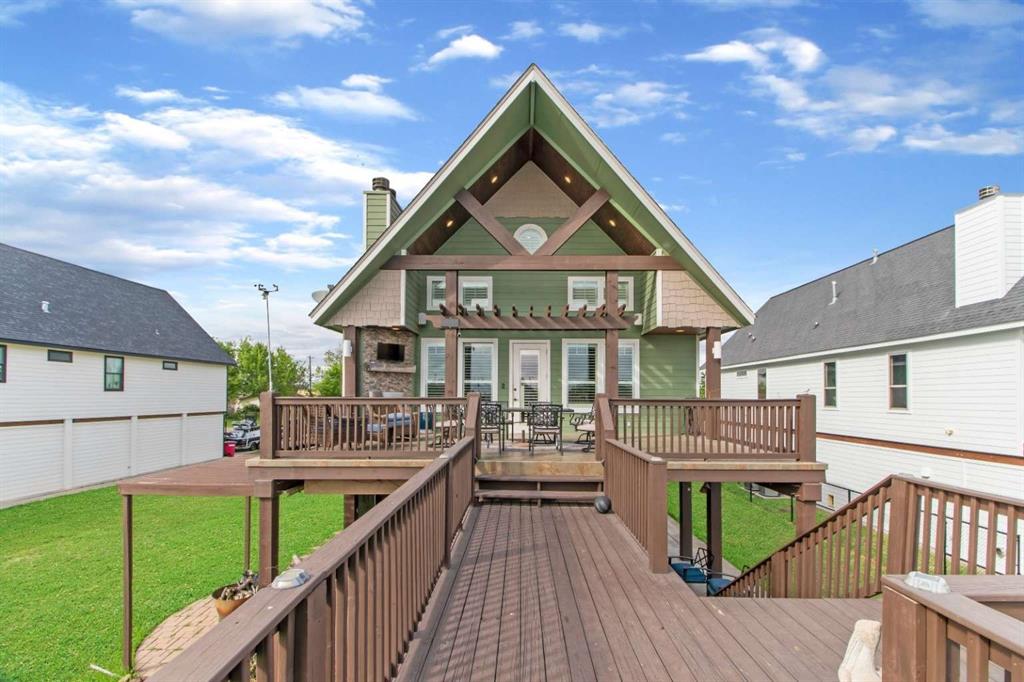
732,51
504,81
160,96
589,32
461,30
632,103
365,81
142,133
795,156
215,22
1006,111
726,5
673,138
802,54
11,11
366,103
470,46
968,13
523,30
985,142
868,138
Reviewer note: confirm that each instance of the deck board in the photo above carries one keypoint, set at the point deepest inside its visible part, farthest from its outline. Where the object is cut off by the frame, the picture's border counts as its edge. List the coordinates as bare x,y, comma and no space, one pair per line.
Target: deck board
561,592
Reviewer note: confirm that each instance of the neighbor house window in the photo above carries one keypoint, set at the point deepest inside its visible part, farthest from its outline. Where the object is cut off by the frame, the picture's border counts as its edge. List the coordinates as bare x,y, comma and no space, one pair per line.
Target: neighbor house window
898,381
433,369
113,373
590,291
479,368
830,384
629,369
531,237
762,383
3,364
435,292
581,367
59,355
171,365
475,291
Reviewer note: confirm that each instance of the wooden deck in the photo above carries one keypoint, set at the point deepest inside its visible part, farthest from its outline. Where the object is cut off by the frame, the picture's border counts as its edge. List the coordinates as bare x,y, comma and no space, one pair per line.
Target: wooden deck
562,592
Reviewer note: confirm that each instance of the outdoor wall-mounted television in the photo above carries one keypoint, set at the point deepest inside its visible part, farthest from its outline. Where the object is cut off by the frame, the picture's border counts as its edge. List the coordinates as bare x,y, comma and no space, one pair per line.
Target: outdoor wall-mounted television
391,352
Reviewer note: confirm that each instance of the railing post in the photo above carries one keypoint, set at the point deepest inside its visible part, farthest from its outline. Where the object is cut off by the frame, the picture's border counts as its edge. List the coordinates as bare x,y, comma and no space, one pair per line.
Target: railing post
902,527
268,429
904,647
448,514
473,422
806,428
657,515
604,423
778,581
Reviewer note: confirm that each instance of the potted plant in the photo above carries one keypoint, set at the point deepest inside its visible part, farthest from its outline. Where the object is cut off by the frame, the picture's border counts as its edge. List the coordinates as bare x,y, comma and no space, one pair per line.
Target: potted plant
229,597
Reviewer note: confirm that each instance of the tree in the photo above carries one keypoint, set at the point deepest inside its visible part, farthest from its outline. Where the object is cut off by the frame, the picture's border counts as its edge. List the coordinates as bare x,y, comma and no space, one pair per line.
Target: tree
248,378
328,376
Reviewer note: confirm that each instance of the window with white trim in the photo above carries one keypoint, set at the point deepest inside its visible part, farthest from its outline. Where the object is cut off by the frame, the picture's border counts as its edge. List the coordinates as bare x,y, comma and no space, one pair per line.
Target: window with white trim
432,368
479,368
531,236
3,363
831,383
629,369
435,292
474,291
582,368
590,291
899,381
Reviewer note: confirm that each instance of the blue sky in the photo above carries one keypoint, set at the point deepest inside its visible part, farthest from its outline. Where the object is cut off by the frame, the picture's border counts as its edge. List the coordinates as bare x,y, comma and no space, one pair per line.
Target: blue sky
205,146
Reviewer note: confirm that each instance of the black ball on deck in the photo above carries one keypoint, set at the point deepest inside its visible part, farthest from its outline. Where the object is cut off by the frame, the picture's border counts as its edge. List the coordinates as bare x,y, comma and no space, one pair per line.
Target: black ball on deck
603,504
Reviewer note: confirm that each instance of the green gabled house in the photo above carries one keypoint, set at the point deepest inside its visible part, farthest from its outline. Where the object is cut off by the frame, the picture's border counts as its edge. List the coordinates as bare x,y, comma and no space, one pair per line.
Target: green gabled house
532,266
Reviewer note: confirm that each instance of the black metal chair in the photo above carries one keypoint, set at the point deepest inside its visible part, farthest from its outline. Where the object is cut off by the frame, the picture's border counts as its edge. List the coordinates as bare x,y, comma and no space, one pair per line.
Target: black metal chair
545,425
492,422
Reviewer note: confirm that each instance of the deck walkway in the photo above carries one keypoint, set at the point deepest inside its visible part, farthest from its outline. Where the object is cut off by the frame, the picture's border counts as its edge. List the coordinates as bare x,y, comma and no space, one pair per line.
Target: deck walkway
562,592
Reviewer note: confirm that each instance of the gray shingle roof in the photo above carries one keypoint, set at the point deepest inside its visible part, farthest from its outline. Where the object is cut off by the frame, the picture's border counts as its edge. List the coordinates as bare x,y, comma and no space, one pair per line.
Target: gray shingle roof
908,293
94,311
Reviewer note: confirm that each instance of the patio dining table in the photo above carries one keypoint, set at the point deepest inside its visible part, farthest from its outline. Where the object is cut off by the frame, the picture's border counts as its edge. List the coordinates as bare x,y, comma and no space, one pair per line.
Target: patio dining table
525,409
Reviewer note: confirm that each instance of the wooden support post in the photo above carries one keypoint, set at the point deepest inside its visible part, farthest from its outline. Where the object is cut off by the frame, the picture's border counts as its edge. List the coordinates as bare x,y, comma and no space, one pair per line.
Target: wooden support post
806,507
714,519
685,518
712,364
267,426
902,527
350,510
269,535
779,579
807,428
904,638
247,541
127,651
451,337
348,370
657,515
611,338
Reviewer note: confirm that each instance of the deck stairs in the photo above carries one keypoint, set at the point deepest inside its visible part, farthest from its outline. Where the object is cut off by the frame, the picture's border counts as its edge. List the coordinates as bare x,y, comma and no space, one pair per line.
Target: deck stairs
538,480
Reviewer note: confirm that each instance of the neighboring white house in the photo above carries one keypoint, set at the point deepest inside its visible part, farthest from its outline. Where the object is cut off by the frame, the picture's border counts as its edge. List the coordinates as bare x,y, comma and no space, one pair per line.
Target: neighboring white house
916,357
100,378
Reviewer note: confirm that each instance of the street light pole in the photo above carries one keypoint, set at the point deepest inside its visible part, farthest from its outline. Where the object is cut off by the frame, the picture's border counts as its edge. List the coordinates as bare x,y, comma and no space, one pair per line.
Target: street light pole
265,292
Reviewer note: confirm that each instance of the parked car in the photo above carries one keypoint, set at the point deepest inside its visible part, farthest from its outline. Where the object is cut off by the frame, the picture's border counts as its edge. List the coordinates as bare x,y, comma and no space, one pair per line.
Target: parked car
245,434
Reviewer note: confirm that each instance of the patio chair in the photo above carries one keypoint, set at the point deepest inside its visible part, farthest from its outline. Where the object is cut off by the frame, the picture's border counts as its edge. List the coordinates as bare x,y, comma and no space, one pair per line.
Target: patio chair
585,428
693,569
545,425
492,422
718,582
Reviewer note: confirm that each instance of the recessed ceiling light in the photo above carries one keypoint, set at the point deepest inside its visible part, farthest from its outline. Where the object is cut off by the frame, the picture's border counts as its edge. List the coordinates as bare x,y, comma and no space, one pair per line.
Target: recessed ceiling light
611,222
568,180
449,223
494,179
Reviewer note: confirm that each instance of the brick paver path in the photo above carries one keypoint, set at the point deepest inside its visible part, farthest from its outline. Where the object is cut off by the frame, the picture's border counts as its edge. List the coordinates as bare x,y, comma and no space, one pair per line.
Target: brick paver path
173,635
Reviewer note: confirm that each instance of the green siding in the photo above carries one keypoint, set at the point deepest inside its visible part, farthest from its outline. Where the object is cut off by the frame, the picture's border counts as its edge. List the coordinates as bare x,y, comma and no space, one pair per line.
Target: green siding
376,215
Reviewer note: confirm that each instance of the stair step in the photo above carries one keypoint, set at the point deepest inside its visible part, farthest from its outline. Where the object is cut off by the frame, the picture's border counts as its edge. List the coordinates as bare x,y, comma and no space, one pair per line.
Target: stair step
542,478
558,495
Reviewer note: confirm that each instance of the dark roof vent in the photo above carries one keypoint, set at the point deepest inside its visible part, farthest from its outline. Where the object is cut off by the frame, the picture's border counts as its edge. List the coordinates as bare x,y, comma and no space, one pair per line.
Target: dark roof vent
987,192
380,184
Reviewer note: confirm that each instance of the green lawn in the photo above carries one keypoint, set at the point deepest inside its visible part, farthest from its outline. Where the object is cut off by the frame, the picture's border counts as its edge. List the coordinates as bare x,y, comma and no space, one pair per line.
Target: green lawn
61,568
750,530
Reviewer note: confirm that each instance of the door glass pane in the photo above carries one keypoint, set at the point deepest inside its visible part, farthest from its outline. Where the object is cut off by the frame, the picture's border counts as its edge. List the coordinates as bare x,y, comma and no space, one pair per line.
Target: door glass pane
476,369
529,377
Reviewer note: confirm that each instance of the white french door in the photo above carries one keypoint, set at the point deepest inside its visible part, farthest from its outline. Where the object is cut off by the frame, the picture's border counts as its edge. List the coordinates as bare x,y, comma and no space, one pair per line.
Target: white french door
529,373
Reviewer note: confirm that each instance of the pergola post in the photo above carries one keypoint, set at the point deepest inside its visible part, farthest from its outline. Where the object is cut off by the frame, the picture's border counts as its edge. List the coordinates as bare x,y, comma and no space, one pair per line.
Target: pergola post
127,653
348,368
714,518
269,531
611,337
712,364
451,337
685,490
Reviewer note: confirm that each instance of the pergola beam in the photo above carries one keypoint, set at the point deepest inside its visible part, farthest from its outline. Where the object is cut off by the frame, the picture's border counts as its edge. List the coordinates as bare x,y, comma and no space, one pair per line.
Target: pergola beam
584,213
490,223
534,263
532,323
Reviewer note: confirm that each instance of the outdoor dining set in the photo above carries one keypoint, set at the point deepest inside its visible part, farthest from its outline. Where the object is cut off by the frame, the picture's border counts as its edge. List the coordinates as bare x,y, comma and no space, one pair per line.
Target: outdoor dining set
540,424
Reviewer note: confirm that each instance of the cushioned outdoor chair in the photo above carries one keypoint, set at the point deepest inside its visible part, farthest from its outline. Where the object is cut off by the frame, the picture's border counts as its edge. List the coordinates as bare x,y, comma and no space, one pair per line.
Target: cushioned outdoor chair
492,423
545,425
585,428
717,582
693,569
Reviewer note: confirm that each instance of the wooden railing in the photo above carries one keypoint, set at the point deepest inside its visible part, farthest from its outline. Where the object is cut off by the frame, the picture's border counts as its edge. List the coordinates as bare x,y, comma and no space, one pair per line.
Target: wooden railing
368,587
718,429
359,427
636,484
902,524
973,633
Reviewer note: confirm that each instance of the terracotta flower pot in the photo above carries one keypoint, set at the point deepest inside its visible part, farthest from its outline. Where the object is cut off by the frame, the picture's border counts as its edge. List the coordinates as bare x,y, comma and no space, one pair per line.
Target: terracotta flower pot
226,606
